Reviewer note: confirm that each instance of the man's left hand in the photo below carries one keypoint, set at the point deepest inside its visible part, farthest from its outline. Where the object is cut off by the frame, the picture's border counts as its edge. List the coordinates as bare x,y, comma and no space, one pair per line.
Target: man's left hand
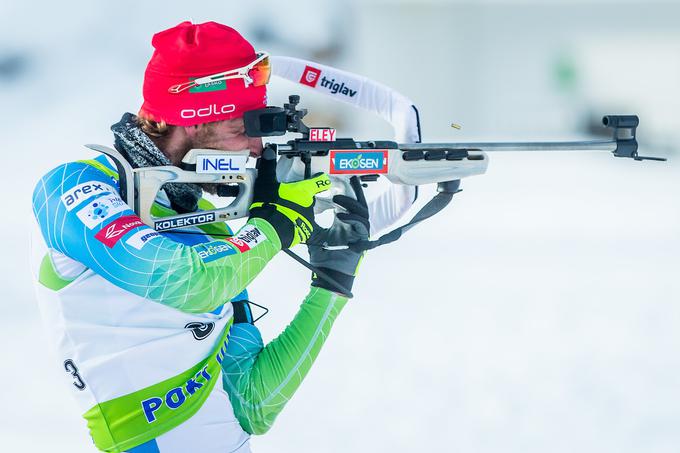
348,228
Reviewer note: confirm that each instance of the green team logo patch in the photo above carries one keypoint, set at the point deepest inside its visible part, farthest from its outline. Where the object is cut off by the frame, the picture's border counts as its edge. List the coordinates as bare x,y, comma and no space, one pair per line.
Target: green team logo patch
212,86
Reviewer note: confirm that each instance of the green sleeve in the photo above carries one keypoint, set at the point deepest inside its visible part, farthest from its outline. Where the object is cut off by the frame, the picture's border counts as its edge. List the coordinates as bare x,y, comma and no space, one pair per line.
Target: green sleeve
199,278
260,380
82,216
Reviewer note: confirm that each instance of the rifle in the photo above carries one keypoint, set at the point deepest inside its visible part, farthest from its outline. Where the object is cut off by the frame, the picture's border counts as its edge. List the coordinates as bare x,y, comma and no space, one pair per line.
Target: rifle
405,162
318,150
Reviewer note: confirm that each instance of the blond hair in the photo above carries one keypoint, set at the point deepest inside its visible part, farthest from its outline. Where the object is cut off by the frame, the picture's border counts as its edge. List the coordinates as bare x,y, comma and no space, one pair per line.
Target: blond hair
153,128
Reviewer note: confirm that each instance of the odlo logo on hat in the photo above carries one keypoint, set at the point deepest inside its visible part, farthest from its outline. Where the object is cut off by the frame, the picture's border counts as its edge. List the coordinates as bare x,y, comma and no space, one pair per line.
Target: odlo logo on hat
210,110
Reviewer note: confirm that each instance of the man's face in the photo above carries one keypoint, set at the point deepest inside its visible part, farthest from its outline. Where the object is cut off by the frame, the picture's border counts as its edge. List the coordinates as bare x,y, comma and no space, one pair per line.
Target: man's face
227,135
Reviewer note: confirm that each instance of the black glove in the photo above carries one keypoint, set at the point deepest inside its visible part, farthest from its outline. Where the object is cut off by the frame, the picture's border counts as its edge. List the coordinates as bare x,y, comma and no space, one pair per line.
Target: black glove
288,207
348,228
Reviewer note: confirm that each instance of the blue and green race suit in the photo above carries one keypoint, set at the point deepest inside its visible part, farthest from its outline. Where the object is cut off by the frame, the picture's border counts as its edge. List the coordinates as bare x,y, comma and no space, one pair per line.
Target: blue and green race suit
143,325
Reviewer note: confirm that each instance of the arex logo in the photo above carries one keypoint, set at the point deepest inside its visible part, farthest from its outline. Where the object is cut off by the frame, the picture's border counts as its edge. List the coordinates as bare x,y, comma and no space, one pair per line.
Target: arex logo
357,162
310,76
82,192
200,330
115,230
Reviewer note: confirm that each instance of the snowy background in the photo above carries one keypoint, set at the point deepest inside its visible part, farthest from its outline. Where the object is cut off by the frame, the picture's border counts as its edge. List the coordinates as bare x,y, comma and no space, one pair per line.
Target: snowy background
540,312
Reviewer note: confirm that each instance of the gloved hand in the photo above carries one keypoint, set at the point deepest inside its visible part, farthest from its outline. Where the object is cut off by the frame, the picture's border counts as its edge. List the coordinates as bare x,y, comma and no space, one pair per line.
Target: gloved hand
348,228
288,207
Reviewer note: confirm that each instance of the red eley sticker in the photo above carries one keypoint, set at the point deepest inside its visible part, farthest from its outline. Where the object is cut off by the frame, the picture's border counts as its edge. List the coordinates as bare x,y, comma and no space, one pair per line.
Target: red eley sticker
322,135
115,230
310,76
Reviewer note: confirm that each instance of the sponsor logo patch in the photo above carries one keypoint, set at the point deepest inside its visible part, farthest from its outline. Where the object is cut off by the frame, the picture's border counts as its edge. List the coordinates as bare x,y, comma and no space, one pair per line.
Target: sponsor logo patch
218,85
141,237
358,162
323,183
162,403
310,76
212,251
247,238
175,397
212,109
200,330
321,135
302,230
337,87
221,164
196,219
101,209
82,192
111,233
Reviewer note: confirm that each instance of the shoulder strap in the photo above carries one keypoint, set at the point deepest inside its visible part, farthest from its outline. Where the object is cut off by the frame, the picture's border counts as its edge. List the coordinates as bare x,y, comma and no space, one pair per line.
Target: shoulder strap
446,191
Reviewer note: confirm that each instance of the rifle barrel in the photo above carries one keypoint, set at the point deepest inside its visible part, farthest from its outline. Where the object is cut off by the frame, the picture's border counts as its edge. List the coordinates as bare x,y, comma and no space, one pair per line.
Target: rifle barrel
592,145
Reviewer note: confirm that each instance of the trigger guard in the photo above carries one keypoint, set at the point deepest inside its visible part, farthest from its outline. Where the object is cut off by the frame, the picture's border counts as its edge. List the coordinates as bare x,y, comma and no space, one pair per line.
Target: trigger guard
324,200
325,204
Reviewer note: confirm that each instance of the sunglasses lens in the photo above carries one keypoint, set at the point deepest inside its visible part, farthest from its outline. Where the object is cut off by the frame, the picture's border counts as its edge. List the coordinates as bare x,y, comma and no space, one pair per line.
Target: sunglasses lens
261,72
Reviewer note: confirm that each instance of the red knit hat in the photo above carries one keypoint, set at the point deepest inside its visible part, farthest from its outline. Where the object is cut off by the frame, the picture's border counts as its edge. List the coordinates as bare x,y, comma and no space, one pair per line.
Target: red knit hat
188,51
